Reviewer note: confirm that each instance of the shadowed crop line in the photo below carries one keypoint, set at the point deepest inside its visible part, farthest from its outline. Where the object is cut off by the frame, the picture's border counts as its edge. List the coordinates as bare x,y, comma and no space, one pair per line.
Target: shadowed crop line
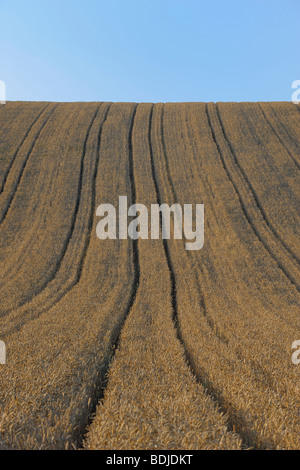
243,207
73,223
164,241
231,426
19,147
93,202
256,199
248,436
77,204
169,178
278,137
102,379
86,245
212,325
23,166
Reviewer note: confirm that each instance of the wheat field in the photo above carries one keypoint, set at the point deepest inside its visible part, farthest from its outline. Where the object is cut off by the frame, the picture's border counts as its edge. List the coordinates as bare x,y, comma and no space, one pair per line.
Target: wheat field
141,344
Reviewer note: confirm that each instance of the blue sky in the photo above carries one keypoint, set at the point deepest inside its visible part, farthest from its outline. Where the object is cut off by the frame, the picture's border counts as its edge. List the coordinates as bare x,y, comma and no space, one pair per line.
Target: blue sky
149,50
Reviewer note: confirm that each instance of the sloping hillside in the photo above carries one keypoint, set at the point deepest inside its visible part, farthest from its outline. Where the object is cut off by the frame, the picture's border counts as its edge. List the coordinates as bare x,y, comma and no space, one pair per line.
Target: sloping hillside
171,349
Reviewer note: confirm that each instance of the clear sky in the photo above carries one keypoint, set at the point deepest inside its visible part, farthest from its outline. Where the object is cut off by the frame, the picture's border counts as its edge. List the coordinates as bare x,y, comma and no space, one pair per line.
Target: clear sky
149,50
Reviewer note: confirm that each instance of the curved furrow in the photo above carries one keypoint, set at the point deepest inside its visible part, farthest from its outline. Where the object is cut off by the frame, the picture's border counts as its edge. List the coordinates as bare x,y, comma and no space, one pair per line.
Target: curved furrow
70,232
115,337
93,203
209,320
14,186
74,215
135,250
67,280
102,382
211,323
164,241
251,188
286,123
213,355
201,300
15,120
48,212
215,395
66,351
150,362
283,144
272,173
221,334
176,200
18,149
62,282
289,276
208,166
232,425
